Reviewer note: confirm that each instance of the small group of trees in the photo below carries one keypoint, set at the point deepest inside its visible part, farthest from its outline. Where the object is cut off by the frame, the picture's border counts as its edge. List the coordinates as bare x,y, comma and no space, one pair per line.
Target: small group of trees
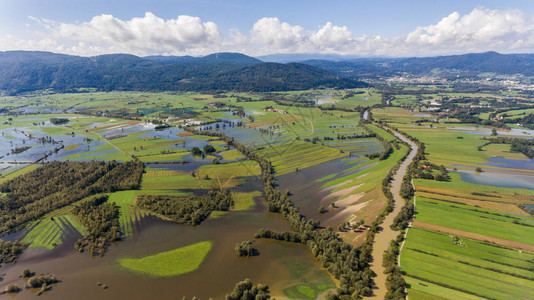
427,169
18,150
287,236
187,209
10,251
347,226
247,290
208,149
59,121
42,282
101,219
245,249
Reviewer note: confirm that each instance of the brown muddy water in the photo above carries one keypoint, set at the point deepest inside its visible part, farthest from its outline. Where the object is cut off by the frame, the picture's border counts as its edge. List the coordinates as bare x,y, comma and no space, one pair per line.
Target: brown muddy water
281,265
307,192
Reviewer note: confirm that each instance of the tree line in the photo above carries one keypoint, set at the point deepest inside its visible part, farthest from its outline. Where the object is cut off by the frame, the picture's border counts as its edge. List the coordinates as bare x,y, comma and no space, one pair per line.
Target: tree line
348,264
10,251
101,220
57,184
517,144
187,209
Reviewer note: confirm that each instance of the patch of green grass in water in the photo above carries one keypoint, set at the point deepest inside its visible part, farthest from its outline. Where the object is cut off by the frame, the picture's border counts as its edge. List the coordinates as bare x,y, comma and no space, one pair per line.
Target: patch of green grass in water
217,214
244,201
301,291
170,263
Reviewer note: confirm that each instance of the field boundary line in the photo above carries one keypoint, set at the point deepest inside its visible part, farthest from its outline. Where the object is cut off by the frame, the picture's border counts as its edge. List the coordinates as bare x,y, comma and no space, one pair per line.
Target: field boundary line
474,236
120,150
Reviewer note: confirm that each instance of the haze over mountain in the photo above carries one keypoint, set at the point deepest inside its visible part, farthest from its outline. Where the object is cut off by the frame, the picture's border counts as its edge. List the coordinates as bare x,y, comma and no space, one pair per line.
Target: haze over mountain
470,64
22,71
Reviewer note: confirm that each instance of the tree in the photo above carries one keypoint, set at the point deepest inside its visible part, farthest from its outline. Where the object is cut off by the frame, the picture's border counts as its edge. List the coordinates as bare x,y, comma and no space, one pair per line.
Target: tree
493,132
195,151
26,273
208,149
12,288
245,249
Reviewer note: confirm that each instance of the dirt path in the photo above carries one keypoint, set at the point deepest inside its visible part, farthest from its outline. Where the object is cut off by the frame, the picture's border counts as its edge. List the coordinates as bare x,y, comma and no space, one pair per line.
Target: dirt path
474,236
120,150
384,237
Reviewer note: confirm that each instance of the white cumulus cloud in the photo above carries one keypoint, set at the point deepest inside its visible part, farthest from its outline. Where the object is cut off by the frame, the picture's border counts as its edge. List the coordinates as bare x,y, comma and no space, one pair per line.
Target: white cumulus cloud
279,35
146,35
480,30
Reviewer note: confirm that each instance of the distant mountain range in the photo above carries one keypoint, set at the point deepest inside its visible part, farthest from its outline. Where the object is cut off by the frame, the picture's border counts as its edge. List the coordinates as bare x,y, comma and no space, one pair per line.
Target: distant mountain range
300,57
23,71
466,64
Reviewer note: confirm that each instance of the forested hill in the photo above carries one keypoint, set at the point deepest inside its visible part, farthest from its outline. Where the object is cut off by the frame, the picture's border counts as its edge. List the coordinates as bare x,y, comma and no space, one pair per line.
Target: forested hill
22,71
468,64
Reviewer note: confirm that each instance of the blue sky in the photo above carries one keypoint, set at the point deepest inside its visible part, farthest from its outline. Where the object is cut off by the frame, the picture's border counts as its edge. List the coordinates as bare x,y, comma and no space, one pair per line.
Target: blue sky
268,27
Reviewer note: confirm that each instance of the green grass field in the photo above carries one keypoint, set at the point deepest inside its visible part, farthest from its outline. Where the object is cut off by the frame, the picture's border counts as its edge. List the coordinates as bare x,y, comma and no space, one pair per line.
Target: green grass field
244,201
170,263
231,154
50,232
230,171
475,219
12,174
128,214
444,145
477,269
456,182
503,150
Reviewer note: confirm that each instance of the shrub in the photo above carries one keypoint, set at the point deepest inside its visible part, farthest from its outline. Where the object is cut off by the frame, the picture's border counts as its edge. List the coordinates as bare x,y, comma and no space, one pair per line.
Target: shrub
12,288
26,273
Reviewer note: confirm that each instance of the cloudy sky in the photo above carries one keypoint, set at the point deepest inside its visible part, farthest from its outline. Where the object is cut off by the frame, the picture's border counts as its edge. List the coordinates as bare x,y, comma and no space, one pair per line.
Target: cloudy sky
256,27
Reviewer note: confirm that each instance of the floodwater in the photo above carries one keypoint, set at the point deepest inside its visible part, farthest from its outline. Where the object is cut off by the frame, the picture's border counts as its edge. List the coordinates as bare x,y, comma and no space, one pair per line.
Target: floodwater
324,99
498,179
21,138
511,163
307,192
281,265
511,178
501,132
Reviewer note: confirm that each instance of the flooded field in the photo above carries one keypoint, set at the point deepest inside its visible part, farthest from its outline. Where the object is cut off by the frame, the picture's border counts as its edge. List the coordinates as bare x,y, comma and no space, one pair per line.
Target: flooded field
288,268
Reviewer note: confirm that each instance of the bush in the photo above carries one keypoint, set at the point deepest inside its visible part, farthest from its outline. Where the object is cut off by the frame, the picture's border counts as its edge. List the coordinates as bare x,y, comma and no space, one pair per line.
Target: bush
245,249
12,288
208,149
39,281
26,273
195,151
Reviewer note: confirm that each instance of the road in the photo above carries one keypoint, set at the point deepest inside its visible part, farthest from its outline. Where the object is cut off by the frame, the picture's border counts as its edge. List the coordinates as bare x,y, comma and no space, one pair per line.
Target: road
384,237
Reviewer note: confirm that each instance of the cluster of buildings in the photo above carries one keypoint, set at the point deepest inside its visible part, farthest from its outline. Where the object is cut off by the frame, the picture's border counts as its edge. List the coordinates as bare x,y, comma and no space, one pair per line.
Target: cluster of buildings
280,111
